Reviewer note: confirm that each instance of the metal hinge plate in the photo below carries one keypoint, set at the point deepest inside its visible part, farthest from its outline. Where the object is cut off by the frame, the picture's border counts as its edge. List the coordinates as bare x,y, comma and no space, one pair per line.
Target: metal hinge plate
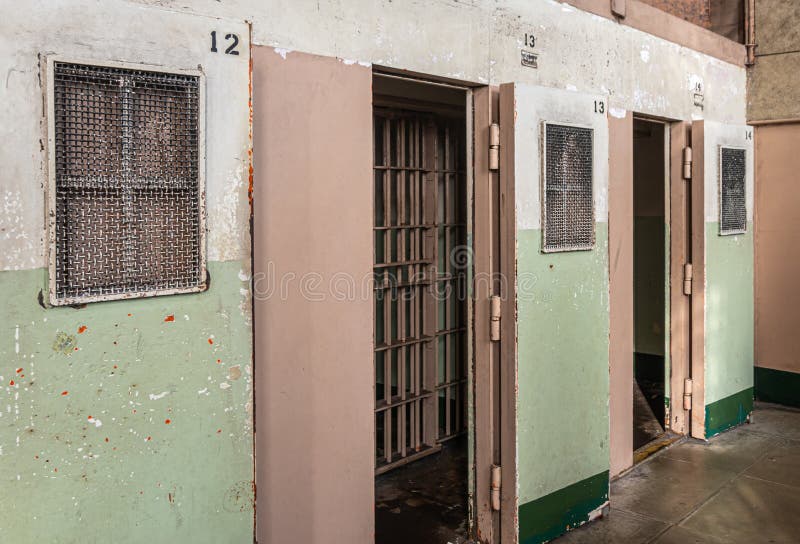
687,394
497,476
687,163
687,279
494,318
494,146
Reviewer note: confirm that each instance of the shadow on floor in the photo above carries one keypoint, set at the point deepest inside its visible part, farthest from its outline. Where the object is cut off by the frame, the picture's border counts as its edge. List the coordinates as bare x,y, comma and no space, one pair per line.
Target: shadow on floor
425,501
648,399
646,426
740,487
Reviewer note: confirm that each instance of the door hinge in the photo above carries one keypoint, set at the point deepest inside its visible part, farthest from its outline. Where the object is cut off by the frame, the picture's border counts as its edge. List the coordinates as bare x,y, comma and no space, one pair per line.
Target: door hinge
687,394
687,163
494,146
687,279
495,487
494,318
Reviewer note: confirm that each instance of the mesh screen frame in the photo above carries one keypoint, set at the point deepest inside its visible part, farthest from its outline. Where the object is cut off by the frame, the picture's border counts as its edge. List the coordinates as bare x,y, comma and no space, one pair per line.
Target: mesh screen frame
548,244
195,193
728,224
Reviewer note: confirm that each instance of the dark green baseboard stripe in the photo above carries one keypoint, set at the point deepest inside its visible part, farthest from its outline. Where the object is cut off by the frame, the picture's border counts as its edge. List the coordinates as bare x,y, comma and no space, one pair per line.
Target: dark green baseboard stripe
728,412
778,386
548,517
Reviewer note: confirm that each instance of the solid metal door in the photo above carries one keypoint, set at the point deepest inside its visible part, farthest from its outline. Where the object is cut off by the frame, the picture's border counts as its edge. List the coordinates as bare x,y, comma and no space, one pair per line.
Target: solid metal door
722,276
554,252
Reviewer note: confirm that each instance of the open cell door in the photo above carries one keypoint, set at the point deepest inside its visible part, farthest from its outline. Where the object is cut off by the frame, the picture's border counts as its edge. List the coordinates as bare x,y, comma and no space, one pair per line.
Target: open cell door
313,343
555,372
721,277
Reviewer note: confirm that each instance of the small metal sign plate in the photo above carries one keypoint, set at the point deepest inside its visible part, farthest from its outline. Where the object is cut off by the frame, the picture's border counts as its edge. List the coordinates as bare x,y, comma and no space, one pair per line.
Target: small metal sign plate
529,59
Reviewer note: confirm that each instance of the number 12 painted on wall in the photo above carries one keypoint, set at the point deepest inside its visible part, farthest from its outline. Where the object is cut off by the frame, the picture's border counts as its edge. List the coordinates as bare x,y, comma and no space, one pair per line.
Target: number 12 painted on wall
231,50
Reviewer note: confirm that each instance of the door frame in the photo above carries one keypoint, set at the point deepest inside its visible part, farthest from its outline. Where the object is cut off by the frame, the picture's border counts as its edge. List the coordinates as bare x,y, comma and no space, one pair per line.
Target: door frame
494,362
483,234
682,329
678,211
509,500
484,351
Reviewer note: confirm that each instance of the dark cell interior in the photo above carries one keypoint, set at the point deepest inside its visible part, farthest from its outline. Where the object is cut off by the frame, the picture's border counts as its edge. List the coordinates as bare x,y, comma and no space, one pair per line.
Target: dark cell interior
649,273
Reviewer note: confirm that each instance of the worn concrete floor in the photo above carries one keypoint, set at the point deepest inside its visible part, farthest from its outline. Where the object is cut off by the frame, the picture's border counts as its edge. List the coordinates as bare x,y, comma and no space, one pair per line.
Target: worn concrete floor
424,501
646,426
742,486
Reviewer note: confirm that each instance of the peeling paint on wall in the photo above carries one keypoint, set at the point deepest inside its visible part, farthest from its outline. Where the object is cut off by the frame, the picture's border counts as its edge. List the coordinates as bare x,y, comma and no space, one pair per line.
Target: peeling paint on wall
102,431
162,376
105,433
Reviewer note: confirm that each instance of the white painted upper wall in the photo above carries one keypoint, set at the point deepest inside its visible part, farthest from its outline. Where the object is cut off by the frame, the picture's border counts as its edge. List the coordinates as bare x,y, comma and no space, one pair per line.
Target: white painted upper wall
480,41
477,41
534,106
717,135
124,32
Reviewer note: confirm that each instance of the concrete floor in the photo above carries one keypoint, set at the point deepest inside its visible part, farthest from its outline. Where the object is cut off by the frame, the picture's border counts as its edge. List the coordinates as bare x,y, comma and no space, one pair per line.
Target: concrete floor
742,486
646,426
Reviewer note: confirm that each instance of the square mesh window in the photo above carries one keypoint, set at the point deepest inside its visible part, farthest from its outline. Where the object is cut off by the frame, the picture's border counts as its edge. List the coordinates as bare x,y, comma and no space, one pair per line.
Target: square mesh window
732,191
128,216
568,204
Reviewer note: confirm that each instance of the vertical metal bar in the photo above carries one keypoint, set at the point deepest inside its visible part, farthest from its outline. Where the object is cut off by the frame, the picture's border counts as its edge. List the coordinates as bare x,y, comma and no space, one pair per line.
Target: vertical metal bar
401,321
430,236
448,283
459,273
419,291
387,302
387,434
416,303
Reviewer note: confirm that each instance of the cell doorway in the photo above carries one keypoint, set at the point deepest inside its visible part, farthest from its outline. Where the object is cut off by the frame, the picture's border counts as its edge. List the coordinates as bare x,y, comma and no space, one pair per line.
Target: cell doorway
650,279
421,278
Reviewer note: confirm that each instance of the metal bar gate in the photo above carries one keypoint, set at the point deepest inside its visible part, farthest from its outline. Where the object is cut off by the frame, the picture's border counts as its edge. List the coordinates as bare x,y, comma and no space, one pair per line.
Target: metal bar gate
420,273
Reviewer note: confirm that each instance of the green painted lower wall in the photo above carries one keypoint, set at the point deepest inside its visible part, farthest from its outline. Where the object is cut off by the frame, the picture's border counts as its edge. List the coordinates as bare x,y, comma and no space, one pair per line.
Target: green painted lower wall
548,517
126,421
778,386
729,326
728,412
562,359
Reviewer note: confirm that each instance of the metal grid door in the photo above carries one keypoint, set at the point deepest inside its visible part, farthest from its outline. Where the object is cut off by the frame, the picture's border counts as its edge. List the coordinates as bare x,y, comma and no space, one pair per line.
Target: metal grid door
420,269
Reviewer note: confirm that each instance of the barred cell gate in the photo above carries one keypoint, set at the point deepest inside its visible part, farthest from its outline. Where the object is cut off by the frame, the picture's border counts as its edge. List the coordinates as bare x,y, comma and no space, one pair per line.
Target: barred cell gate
420,274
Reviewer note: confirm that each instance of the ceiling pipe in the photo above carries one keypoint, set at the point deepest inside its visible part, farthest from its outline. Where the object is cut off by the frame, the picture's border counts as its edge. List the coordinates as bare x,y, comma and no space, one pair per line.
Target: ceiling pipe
750,32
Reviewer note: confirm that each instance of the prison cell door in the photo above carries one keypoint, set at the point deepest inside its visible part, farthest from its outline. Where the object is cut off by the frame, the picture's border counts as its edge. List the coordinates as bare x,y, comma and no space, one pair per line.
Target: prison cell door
420,274
721,277
555,374
312,253
680,242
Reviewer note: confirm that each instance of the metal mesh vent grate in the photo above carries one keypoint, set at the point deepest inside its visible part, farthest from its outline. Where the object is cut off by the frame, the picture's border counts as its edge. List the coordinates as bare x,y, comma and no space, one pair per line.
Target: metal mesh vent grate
128,215
568,210
732,207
